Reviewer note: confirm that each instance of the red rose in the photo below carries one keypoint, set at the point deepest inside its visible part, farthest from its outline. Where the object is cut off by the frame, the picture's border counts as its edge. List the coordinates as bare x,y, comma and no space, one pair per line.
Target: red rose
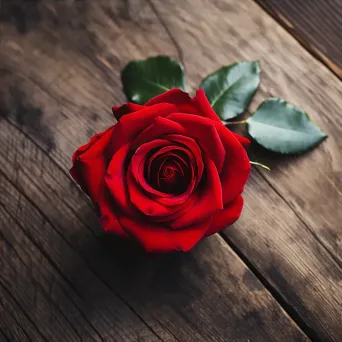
167,174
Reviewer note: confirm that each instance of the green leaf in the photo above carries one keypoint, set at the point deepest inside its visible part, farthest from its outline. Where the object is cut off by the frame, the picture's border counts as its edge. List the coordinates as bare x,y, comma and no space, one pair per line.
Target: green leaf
144,79
281,127
230,89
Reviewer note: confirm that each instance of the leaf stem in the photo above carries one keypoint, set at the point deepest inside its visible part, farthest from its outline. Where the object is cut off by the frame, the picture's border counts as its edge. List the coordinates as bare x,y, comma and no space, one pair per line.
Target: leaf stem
261,165
234,122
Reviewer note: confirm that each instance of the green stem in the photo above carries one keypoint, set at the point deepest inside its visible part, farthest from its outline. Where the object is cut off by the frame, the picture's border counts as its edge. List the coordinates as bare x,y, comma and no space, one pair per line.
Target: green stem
261,165
234,122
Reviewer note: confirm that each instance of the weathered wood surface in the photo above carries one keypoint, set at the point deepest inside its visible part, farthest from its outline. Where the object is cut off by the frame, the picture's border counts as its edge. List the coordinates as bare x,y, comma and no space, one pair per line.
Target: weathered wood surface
60,75
315,23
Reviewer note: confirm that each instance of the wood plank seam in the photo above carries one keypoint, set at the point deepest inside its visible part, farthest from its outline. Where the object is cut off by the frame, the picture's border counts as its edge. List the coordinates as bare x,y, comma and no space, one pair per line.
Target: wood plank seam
336,70
287,307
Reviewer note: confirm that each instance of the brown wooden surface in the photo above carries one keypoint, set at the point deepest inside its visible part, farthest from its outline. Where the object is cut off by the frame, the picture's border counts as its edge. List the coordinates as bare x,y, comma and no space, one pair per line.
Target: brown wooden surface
315,23
274,276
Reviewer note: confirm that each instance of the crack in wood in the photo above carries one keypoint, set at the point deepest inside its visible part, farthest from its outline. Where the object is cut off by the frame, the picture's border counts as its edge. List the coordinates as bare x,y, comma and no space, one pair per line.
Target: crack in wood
287,307
292,29
168,31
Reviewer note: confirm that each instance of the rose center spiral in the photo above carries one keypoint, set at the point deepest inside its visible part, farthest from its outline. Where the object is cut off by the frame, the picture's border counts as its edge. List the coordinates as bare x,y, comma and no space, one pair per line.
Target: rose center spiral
169,172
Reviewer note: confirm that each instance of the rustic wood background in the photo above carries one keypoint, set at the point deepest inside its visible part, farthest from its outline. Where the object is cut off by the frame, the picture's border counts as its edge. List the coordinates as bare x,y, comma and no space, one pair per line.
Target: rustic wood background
275,275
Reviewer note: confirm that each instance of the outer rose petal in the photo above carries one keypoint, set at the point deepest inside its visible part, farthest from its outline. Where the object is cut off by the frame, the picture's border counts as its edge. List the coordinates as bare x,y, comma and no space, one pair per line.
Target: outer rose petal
129,126
236,167
224,218
199,105
174,96
109,220
204,107
115,180
242,140
177,97
89,168
155,238
119,111
89,164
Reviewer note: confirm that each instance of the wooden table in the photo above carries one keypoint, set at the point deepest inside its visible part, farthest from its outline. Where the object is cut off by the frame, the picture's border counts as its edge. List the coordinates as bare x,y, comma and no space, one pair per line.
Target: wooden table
275,275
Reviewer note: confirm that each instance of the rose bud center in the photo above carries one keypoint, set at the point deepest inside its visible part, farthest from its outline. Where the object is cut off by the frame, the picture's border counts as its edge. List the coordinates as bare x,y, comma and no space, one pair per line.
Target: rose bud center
168,172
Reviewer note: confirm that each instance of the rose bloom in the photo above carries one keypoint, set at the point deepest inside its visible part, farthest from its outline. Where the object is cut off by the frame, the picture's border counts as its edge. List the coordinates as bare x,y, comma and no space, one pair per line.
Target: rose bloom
167,174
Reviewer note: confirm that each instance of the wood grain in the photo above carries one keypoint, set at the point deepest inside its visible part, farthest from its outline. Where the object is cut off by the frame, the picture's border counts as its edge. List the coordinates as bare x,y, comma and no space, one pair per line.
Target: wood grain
316,25
61,278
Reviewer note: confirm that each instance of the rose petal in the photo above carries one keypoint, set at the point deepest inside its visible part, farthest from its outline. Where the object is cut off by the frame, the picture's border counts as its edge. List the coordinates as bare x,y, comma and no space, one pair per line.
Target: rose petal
177,97
109,220
157,129
242,140
115,179
193,148
236,168
157,238
204,131
204,202
119,111
143,196
138,162
89,164
202,104
226,217
170,150
82,149
144,203
199,105
131,125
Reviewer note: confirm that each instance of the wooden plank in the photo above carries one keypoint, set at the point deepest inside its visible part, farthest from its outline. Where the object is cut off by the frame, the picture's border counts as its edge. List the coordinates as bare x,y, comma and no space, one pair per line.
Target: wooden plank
60,78
290,231
316,25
